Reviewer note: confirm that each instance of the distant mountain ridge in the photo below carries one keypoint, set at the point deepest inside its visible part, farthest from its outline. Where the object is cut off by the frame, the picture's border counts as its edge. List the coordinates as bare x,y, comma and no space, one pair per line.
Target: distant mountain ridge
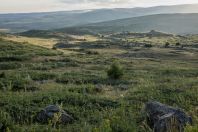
170,23
53,20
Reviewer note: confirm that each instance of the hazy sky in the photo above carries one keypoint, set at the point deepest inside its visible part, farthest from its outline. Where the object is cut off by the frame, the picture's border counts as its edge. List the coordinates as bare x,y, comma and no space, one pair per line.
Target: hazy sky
14,6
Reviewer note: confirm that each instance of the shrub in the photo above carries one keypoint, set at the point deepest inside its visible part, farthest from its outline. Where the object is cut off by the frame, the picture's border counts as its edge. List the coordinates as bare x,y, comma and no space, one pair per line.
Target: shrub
54,48
115,71
92,52
167,44
177,44
148,46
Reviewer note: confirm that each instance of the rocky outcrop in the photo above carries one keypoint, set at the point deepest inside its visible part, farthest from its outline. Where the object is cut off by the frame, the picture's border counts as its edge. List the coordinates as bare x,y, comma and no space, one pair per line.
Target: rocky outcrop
163,118
51,112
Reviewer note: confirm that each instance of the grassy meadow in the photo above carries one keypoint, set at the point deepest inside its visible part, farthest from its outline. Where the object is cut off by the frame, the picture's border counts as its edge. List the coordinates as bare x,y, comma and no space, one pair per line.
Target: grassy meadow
33,75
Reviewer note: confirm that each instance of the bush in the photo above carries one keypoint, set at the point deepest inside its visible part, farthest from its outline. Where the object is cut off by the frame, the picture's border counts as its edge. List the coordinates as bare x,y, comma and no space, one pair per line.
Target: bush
167,44
115,71
148,45
92,52
54,48
177,44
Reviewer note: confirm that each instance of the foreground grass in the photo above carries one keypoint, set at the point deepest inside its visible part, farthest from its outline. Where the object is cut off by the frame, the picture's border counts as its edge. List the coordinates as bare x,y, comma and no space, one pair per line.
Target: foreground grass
32,77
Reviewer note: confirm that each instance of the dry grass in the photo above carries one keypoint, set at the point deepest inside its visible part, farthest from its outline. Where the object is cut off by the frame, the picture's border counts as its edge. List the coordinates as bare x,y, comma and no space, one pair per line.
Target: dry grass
110,51
47,43
88,38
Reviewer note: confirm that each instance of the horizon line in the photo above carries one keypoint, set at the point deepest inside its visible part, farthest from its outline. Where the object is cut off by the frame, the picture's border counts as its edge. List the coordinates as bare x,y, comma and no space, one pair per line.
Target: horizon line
38,12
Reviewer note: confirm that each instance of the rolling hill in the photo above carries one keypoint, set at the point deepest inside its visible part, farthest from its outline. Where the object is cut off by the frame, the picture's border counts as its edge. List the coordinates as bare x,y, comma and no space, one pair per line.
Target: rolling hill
170,23
53,20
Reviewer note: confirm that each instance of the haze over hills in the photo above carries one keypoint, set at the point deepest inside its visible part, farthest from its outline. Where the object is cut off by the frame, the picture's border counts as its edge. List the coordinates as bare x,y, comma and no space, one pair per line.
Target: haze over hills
168,23
53,20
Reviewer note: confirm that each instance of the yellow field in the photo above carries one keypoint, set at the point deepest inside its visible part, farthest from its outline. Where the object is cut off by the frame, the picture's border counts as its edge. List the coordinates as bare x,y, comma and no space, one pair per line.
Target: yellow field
48,43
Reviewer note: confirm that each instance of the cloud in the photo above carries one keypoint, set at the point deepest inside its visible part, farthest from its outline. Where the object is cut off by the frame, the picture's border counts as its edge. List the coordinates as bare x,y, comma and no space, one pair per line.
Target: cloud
94,1
14,6
97,3
125,3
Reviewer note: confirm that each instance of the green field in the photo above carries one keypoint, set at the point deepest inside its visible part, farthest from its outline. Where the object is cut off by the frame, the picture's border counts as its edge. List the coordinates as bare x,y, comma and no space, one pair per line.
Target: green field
33,76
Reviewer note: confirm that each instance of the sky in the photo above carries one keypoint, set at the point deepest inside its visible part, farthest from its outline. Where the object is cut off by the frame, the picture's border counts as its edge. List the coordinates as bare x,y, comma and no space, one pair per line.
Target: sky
23,6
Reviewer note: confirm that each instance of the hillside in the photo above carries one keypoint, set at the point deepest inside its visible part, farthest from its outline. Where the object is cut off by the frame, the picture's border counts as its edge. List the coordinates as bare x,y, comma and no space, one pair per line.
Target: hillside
170,23
33,77
52,20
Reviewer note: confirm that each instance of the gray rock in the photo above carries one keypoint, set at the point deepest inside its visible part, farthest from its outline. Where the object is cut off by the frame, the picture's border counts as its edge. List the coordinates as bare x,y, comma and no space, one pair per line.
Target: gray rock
163,118
48,114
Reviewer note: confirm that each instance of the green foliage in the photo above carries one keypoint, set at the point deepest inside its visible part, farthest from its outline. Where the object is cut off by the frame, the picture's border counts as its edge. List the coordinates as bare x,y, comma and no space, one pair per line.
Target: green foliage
148,46
17,83
115,71
122,121
9,65
5,121
40,76
177,44
191,128
167,44
105,126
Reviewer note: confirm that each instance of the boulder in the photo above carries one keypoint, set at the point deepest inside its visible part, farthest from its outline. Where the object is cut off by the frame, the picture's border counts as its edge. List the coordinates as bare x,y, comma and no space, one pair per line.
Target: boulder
49,112
163,118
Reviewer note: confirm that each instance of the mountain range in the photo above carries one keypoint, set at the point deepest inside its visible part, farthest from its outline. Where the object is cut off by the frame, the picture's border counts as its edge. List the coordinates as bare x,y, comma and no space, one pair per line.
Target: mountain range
170,23
53,20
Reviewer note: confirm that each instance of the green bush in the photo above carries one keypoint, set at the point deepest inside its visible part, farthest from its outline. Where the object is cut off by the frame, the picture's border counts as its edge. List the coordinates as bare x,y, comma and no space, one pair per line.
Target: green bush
177,44
148,45
54,48
115,71
167,44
